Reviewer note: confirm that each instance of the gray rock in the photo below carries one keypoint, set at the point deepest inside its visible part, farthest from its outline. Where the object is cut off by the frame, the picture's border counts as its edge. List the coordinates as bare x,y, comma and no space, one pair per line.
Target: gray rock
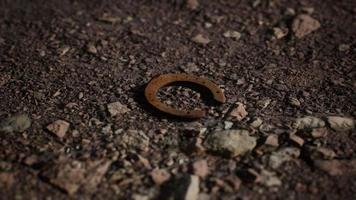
230,142
341,123
276,159
257,122
17,123
269,179
232,34
308,122
134,139
116,108
201,39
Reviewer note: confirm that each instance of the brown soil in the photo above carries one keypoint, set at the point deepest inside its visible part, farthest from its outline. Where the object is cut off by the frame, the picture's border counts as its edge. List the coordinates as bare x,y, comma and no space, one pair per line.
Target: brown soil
48,72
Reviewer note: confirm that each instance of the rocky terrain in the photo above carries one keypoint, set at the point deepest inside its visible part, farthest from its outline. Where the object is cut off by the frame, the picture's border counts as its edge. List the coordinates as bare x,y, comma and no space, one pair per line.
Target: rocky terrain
74,123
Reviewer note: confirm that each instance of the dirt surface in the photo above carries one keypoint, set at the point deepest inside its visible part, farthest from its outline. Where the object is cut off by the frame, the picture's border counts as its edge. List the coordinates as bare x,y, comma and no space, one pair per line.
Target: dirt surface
281,60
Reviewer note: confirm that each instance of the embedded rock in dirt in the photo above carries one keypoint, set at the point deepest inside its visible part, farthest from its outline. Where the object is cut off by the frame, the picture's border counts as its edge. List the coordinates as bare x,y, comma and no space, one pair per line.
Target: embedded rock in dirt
269,179
279,33
230,142
303,25
341,123
319,132
116,108
201,39
238,112
257,122
232,34
59,128
337,167
272,140
294,102
91,48
308,122
296,139
70,175
276,159
17,123
135,139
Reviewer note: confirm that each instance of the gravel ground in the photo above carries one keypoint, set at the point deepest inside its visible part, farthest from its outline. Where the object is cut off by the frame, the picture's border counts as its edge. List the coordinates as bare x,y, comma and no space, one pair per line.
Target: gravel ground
74,123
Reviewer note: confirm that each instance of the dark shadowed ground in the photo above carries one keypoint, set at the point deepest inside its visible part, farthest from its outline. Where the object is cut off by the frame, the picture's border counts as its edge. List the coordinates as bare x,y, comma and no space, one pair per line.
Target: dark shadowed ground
70,60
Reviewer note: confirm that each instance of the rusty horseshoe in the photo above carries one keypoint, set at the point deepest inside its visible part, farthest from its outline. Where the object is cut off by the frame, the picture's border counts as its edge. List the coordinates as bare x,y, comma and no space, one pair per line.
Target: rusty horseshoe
160,81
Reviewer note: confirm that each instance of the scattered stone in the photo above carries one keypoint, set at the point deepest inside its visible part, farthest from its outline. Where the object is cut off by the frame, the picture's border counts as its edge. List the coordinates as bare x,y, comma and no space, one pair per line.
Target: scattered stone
200,168
17,123
272,140
308,122
140,197
228,125
59,128
116,108
232,34
290,12
294,102
109,19
337,167
201,39
296,139
95,171
183,188
308,10
344,47
257,122
4,79
160,176
269,179
91,48
135,139
192,4
279,33
238,112
341,123
276,159
63,50
70,175
319,132
230,142
303,25
264,103
107,130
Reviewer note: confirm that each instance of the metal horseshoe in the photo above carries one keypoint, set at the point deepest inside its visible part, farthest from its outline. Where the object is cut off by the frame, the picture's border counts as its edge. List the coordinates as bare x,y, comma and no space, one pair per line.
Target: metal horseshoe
160,81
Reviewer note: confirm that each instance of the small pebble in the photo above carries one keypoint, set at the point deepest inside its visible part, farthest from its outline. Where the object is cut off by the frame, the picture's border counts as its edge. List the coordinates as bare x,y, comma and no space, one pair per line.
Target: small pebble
17,123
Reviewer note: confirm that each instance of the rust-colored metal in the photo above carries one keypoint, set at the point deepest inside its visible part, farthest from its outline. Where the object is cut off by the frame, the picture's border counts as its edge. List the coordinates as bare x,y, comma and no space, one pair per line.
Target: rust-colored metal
160,81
